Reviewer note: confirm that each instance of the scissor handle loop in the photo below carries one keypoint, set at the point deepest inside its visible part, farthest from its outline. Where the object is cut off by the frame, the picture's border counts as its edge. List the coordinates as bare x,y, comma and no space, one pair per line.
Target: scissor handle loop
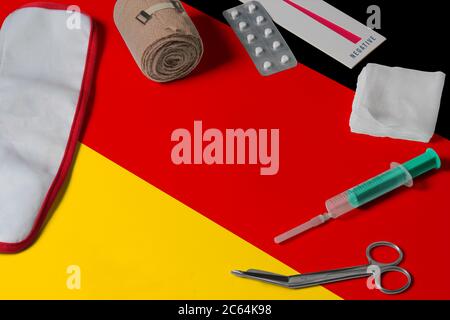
374,245
388,267
394,269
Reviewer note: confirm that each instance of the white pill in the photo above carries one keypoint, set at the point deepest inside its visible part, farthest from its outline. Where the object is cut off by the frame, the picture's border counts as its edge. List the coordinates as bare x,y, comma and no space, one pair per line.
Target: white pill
267,65
268,32
251,8
276,45
259,19
242,25
285,59
258,51
250,38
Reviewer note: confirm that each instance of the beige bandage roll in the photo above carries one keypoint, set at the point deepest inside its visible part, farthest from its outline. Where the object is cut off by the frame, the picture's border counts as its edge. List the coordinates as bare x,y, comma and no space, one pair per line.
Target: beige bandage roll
161,37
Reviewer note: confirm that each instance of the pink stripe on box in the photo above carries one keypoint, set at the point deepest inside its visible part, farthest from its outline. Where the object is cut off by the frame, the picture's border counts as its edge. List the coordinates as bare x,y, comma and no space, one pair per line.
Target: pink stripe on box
339,30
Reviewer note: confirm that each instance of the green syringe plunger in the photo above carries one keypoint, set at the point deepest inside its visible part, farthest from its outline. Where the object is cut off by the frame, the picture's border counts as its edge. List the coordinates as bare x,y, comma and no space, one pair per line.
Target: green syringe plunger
398,175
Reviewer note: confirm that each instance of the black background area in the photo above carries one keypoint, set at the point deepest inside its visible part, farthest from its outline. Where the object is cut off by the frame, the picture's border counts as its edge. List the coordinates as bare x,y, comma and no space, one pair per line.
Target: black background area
416,32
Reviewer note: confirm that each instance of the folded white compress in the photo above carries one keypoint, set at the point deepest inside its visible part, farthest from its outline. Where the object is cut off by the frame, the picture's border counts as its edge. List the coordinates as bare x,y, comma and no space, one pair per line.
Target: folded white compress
46,63
397,102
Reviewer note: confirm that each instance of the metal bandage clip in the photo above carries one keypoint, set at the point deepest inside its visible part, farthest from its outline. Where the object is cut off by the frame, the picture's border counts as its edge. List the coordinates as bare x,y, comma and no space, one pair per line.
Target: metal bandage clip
145,15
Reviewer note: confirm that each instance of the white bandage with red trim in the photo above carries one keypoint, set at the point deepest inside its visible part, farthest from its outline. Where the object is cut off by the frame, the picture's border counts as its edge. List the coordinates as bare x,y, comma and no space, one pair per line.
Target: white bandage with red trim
45,69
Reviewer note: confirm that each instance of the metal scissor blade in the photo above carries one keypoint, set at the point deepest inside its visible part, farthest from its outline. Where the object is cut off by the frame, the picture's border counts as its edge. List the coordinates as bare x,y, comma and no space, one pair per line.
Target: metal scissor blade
305,280
264,276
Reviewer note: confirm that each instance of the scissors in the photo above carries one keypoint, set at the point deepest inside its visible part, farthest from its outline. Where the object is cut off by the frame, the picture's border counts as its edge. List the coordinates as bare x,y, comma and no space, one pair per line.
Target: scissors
374,269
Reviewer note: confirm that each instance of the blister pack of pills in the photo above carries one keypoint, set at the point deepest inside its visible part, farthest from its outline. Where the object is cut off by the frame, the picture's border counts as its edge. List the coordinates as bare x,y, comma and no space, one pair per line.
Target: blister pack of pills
259,35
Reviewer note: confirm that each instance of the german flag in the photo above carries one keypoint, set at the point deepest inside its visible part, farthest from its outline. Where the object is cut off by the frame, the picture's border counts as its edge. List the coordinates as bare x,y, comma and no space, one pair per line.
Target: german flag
140,227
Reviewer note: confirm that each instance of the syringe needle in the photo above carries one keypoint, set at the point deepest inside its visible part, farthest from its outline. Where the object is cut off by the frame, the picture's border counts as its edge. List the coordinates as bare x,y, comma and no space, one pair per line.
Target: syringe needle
314,222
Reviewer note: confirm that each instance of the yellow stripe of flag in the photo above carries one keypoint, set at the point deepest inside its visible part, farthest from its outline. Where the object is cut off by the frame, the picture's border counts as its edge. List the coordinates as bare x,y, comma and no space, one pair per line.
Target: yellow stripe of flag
117,237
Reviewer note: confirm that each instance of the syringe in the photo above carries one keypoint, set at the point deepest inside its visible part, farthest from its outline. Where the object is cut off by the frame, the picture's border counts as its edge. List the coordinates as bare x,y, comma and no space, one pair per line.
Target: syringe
399,175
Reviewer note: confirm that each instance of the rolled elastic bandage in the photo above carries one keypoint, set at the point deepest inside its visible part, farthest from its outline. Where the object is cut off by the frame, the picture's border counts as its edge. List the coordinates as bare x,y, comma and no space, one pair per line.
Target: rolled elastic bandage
160,36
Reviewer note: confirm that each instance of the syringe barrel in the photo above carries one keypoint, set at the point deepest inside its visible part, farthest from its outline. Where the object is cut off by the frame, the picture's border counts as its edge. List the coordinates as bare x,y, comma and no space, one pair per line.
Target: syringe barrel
428,161
397,176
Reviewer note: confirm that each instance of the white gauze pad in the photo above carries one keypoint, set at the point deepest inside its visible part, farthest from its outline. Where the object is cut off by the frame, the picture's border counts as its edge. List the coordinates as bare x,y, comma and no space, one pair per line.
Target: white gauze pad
396,102
46,63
